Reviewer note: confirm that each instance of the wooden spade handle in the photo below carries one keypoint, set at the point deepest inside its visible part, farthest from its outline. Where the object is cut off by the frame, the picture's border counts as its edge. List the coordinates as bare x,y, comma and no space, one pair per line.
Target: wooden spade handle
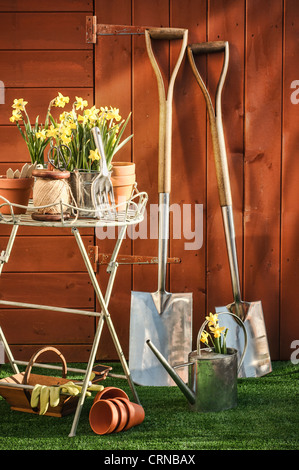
166,33
215,117
207,47
165,102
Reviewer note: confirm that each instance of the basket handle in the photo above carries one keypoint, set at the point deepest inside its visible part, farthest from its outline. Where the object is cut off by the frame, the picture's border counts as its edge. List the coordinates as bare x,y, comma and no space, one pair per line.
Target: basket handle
31,363
34,358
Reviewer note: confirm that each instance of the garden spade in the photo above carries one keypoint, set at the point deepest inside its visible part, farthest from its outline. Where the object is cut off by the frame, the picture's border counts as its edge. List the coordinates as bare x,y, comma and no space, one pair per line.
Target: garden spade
162,317
257,360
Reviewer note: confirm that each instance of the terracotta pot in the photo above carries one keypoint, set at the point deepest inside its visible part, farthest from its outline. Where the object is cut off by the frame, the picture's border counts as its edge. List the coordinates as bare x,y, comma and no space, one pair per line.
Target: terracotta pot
123,414
104,417
110,392
135,411
16,191
123,179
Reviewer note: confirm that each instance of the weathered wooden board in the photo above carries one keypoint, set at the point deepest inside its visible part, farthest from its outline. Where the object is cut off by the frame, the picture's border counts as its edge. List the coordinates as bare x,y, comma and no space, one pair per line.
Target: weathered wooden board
45,254
45,327
47,68
46,6
47,31
113,88
289,320
263,161
71,290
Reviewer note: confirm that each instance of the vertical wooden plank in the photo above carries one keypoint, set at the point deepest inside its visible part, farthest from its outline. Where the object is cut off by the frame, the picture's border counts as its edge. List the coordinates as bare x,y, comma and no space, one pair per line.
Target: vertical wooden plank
113,88
263,160
188,190
289,321
146,132
228,27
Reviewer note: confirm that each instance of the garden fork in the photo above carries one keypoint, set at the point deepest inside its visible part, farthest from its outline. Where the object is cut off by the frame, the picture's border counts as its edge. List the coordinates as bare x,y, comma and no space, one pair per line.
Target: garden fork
102,189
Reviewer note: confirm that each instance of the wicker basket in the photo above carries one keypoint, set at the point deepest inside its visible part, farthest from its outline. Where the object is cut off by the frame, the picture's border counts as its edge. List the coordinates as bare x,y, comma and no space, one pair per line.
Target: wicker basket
19,398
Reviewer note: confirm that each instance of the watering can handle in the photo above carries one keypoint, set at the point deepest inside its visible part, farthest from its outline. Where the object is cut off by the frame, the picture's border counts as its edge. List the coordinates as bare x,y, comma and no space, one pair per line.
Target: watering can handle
239,321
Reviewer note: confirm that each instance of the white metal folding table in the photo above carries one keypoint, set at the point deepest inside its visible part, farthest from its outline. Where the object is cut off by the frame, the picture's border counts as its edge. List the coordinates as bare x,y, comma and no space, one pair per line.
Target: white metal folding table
132,214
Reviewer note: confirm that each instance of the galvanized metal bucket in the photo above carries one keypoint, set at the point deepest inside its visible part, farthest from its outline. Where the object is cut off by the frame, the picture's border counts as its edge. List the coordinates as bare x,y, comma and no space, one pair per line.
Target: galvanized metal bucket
81,186
212,377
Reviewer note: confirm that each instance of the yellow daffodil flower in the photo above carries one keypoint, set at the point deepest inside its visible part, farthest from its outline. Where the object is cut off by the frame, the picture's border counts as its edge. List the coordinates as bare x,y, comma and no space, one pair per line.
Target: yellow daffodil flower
65,138
217,331
114,114
41,134
94,155
61,100
52,132
80,103
212,319
19,104
16,115
204,337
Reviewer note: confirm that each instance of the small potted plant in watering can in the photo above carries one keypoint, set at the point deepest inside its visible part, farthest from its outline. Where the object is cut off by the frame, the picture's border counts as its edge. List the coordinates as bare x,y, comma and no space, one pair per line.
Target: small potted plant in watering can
213,371
74,129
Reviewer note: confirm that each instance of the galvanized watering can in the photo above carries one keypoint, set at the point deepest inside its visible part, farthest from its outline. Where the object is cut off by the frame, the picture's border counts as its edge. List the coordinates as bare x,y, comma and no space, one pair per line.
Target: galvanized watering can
212,377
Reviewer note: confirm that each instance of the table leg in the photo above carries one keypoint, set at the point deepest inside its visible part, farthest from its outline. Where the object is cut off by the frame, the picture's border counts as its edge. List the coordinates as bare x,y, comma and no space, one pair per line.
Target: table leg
4,257
105,315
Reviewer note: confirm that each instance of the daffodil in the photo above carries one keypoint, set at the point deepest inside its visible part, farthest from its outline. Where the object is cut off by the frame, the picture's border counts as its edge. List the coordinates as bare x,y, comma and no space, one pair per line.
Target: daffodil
41,134
217,331
204,337
212,319
52,131
60,101
19,104
80,103
94,155
16,115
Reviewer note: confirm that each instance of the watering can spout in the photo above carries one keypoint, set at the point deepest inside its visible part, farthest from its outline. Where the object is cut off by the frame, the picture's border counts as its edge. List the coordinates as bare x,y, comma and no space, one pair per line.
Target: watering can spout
177,379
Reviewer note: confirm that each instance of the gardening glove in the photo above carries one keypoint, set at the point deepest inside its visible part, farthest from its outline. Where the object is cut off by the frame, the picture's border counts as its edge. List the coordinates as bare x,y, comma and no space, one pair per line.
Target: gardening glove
44,399
40,395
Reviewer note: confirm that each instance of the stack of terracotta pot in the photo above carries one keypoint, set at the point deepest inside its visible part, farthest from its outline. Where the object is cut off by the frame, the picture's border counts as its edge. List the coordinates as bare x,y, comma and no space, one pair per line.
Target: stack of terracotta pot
112,411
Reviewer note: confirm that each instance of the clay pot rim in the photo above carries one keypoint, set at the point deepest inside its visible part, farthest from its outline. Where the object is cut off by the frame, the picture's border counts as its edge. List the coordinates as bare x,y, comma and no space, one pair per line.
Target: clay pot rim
115,416
101,395
15,183
123,168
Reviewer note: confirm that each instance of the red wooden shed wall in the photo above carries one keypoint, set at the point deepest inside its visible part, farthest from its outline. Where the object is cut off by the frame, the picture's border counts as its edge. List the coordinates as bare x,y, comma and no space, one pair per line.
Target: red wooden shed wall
43,51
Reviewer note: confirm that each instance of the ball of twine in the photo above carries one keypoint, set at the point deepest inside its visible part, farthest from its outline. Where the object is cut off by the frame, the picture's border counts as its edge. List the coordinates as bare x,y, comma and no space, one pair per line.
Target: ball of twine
48,191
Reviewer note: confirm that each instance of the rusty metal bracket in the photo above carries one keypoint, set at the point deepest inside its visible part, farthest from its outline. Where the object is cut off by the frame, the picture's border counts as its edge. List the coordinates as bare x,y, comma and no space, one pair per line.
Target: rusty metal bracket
101,259
93,30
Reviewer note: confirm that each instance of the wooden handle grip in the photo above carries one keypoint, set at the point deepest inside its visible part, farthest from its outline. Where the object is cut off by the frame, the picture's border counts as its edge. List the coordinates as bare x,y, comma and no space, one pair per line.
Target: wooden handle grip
166,33
207,47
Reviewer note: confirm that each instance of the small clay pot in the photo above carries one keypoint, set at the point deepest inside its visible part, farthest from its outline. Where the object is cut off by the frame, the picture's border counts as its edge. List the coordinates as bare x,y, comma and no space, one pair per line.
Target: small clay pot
135,411
123,414
104,417
16,191
110,392
123,179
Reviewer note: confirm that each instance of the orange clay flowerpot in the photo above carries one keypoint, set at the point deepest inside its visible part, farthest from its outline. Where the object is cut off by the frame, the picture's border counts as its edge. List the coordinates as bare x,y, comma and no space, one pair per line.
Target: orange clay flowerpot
123,179
16,191
104,417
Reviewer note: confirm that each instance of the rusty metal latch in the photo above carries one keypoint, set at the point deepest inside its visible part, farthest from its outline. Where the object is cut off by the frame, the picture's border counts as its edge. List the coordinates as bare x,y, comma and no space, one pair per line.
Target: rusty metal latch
101,259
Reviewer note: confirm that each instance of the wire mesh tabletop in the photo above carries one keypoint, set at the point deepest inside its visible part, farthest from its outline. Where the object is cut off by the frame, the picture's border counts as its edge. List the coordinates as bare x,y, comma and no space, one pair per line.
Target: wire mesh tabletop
130,212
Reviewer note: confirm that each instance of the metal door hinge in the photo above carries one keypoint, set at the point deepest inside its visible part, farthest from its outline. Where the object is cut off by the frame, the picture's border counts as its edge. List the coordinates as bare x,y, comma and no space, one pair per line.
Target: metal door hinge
97,259
91,29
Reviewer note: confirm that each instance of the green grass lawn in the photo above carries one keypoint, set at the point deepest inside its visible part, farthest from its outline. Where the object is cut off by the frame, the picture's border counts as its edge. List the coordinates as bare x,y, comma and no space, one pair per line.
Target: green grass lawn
266,418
